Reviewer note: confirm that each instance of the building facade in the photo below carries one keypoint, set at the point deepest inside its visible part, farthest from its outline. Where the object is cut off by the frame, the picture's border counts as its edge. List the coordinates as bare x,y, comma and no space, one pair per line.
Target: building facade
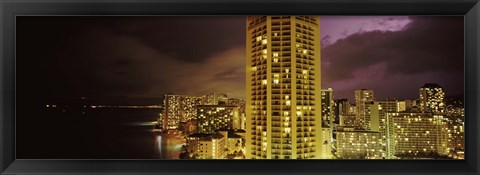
456,134
207,146
378,121
412,134
349,120
364,100
358,144
341,107
211,118
283,108
432,98
327,143
327,107
179,108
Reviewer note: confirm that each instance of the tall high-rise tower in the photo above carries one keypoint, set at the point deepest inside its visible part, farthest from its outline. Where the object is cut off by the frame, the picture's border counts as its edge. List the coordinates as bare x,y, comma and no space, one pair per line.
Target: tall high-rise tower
327,107
283,107
432,98
364,100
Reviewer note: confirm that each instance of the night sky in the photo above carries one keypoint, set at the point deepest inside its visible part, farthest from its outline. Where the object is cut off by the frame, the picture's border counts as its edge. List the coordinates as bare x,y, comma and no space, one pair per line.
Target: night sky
149,56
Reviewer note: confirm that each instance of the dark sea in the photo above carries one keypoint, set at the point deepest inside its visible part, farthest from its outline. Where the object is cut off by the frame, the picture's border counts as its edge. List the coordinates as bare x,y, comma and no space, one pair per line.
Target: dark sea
87,133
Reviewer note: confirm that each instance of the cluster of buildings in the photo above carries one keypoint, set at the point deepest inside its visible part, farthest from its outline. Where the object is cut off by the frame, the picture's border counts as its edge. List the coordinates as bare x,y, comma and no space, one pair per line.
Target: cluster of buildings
287,114
207,113
391,129
223,144
213,124
290,116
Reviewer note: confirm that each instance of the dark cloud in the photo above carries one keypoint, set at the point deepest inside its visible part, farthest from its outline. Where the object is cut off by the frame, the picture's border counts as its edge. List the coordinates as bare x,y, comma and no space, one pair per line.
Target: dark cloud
130,56
151,56
186,38
427,45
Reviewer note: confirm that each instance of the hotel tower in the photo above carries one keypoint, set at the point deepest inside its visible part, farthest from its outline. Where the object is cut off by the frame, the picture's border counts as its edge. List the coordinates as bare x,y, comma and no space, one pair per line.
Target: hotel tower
283,88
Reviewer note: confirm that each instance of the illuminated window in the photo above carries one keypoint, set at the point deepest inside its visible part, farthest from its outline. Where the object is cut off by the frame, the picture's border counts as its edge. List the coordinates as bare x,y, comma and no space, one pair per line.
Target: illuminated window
264,82
264,41
275,54
259,38
287,70
264,51
299,113
275,60
305,51
288,102
275,81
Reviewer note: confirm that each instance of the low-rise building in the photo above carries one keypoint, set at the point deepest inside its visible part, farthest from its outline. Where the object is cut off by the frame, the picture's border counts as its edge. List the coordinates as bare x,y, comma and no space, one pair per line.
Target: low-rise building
358,144
416,134
207,146
211,118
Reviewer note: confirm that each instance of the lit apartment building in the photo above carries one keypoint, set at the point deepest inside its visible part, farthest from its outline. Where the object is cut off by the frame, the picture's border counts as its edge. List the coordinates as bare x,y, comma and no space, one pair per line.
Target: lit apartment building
211,118
327,122
241,111
378,114
207,146
283,107
327,143
401,105
341,107
327,107
179,108
358,144
349,120
432,98
352,109
364,100
416,133
378,121
456,134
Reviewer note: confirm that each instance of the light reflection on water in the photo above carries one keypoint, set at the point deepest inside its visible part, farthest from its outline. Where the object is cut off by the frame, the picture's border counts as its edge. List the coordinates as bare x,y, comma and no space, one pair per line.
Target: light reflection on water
99,134
143,123
158,146
168,147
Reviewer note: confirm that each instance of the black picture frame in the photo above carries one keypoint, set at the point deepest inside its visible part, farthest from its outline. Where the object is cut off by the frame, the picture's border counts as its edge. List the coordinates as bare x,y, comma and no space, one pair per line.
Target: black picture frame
9,9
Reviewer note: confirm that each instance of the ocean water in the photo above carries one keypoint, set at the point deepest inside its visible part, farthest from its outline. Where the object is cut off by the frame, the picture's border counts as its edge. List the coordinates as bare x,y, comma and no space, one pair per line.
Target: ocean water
86,133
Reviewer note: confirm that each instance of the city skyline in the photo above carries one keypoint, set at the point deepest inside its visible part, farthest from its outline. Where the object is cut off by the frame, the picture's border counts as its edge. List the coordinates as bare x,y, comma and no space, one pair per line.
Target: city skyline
284,91
138,56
